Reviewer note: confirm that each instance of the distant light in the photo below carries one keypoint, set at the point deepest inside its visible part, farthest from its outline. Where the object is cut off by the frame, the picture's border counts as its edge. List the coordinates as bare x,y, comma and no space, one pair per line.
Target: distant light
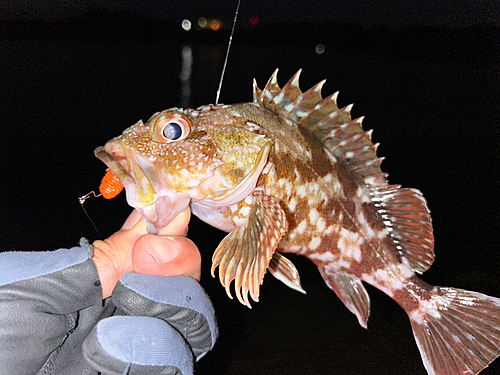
320,49
202,22
254,20
186,25
215,24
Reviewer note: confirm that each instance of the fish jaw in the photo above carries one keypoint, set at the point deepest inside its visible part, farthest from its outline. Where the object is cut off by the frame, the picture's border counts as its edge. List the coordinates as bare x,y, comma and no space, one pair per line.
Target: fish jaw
138,180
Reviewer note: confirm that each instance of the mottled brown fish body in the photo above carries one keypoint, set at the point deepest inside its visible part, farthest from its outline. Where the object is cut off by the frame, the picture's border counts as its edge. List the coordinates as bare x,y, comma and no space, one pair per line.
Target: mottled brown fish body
293,173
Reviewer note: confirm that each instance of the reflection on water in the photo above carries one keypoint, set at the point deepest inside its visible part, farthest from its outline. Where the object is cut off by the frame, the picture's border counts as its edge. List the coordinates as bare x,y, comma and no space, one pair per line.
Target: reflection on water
185,76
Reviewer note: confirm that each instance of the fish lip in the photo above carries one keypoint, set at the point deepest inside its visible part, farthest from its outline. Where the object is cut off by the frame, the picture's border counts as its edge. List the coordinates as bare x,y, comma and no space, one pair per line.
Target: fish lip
120,172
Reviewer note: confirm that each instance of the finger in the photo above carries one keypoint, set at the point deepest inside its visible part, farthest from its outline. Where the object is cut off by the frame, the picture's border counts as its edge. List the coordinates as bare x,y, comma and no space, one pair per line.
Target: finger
179,225
179,301
137,345
132,220
166,256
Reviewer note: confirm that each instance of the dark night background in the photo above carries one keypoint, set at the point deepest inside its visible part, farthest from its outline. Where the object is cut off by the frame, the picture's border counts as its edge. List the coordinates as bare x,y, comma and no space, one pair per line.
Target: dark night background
74,74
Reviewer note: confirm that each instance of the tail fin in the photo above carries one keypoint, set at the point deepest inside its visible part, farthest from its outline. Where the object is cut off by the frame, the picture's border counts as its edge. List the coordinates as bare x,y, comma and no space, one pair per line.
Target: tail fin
457,331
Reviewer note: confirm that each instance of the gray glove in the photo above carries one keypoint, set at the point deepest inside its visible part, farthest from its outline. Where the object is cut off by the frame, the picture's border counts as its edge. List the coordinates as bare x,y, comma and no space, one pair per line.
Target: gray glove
51,303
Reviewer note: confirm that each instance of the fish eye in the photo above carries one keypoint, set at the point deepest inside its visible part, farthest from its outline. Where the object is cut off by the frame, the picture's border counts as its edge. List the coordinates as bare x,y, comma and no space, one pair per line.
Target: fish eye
172,127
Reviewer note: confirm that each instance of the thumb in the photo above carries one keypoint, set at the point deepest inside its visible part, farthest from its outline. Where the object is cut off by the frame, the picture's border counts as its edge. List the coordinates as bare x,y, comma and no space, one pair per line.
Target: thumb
166,256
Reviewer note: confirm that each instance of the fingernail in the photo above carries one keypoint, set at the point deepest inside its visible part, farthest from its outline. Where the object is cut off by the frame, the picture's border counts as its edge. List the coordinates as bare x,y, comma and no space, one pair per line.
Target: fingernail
163,249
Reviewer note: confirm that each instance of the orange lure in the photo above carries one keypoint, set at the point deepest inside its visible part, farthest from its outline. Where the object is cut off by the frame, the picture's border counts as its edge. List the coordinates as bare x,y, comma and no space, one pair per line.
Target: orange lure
110,185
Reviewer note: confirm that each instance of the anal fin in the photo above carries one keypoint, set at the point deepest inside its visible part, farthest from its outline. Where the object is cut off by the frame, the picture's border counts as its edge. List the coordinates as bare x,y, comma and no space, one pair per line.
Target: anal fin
245,253
351,292
284,270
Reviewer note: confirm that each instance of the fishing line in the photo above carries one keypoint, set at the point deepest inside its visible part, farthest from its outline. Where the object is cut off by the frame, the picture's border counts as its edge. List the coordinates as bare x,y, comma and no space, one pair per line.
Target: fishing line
82,200
227,53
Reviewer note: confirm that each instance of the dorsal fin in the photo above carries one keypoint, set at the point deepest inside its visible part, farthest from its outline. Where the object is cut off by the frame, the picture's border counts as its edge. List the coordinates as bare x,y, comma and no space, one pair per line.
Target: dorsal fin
403,211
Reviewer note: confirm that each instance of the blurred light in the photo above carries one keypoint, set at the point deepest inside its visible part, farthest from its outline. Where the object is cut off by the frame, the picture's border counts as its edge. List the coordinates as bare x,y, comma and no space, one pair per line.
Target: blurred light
186,25
216,24
320,48
185,75
254,20
202,22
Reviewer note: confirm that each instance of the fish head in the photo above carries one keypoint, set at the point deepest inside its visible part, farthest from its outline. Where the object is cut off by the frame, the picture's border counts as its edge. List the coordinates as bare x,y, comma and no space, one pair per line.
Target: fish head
209,155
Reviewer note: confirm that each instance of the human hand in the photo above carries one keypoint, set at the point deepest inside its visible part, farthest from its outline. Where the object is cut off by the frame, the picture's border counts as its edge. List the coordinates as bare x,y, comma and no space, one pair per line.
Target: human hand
132,249
162,325
167,322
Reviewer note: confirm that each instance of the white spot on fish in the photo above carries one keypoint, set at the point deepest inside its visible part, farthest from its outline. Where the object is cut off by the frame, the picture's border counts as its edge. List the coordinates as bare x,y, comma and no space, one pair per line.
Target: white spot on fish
340,264
360,192
337,187
324,257
383,233
315,242
369,231
297,249
362,218
239,221
244,211
292,205
313,216
380,281
301,191
301,228
320,225
349,244
192,182
369,180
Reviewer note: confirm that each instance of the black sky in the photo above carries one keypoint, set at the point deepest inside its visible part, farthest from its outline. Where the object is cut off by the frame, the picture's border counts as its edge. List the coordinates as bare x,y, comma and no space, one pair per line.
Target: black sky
415,12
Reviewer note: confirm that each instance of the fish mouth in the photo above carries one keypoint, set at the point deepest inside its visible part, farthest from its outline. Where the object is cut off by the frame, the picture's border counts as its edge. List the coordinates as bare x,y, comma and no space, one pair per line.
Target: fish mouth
120,172
137,185
157,210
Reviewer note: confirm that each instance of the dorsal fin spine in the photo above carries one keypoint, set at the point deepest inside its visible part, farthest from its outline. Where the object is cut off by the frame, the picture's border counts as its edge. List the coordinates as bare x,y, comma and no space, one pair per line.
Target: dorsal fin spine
256,92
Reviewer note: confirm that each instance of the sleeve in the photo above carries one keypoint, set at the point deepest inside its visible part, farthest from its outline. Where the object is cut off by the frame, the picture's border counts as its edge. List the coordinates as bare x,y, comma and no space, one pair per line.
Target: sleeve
42,295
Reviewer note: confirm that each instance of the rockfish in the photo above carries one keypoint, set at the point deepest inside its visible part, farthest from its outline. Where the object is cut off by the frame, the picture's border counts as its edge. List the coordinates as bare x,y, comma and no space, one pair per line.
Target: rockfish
291,172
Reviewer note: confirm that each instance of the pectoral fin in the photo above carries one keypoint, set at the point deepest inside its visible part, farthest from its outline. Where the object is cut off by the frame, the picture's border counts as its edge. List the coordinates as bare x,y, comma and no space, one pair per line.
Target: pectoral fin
245,253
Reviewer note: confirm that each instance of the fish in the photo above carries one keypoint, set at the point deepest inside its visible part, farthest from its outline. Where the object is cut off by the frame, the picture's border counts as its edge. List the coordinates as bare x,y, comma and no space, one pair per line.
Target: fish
291,172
